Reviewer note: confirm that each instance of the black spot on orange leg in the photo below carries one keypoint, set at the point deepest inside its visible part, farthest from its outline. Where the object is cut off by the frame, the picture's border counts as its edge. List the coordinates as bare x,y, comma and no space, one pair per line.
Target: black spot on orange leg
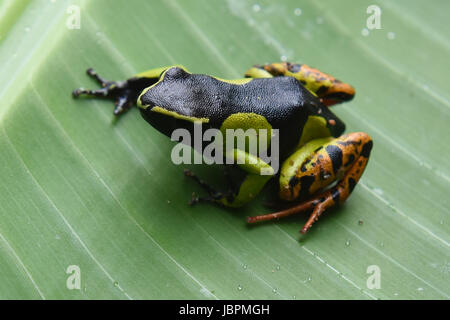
336,156
339,193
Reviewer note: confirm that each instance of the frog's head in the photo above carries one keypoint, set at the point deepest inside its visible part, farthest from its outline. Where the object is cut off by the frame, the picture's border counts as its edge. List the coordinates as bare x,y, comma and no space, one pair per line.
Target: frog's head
178,95
327,88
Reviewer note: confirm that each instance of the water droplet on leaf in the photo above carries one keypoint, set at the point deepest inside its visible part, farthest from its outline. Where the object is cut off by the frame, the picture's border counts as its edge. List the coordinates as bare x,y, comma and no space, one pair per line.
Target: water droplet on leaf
391,35
256,7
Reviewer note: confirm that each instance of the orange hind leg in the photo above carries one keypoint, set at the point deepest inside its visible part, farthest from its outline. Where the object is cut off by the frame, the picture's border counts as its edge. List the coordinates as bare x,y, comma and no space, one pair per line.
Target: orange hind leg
356,146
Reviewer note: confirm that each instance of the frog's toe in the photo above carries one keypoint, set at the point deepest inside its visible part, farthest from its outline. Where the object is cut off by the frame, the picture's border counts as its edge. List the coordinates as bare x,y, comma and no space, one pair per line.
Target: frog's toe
194,199
103,92
305,206
92,73
123,104
76,93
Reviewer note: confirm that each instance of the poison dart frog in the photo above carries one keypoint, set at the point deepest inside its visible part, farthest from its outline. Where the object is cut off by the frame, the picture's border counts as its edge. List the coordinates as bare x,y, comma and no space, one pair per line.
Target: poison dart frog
320,165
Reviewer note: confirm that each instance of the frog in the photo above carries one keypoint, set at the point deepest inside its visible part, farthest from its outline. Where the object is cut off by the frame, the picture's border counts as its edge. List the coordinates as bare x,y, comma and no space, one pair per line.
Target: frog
320,164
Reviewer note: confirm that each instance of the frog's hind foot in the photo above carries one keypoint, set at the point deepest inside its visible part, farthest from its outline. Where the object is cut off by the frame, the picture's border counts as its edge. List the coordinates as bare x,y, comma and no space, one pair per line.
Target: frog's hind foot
336,195
323,201
318,204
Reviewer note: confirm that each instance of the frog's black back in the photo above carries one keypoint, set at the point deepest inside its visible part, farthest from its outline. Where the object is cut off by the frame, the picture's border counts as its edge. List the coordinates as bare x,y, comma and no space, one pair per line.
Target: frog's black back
283,101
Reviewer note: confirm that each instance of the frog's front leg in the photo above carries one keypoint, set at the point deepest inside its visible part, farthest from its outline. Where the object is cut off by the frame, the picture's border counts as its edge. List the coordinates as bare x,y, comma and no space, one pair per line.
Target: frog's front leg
124,93
317,165
258,174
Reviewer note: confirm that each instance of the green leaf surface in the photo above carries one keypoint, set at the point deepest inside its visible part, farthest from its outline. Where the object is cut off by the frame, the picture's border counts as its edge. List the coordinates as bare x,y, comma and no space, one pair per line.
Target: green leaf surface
78,188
